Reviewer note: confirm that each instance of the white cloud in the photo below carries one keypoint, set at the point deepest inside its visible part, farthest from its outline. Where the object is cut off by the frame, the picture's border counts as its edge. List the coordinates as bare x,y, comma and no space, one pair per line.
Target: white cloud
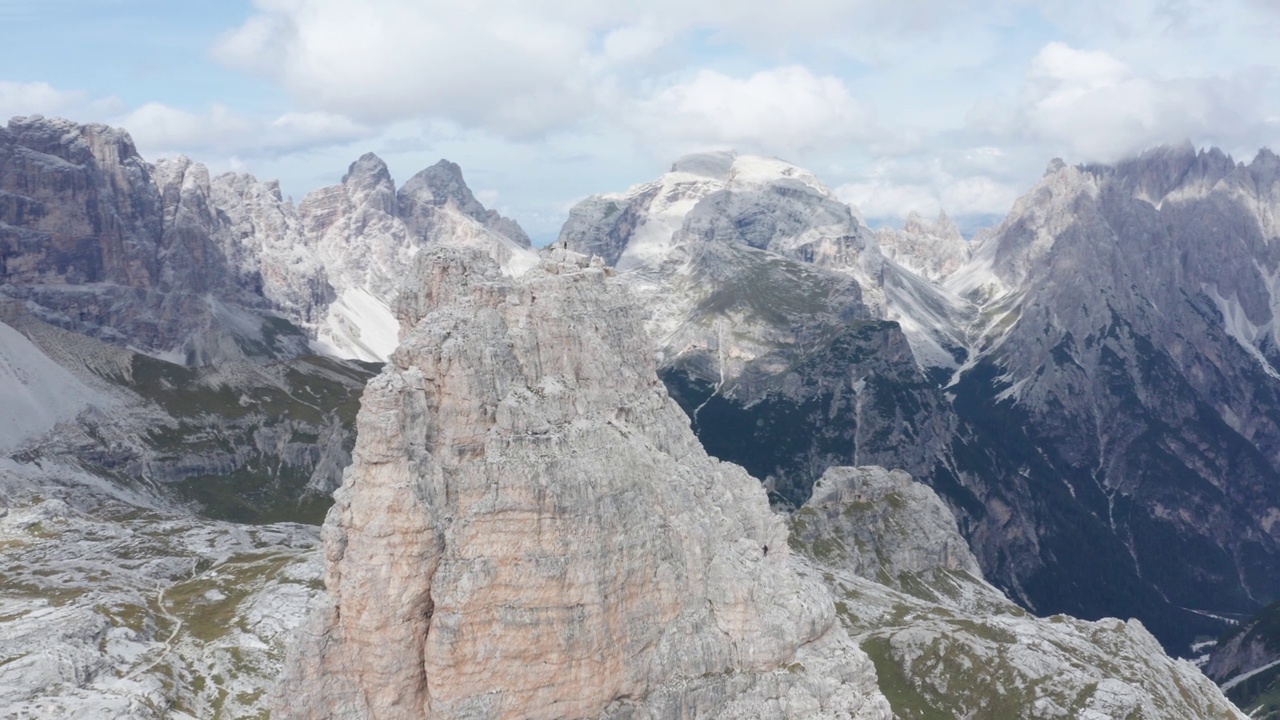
558,99
1090,106
785,110
160,129
890,197
524,69
494,62
38,98
978,195
880,198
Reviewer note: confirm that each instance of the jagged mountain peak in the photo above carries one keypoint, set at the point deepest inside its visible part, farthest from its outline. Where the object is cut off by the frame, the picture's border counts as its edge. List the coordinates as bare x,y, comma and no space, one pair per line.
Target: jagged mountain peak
443,184
1085,195
1170,171
942,226
1135,301
271,188
369,171
437,186
932,249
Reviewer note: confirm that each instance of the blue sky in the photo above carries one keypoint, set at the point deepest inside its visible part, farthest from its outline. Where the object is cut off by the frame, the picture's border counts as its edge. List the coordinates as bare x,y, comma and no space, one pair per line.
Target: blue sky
900,106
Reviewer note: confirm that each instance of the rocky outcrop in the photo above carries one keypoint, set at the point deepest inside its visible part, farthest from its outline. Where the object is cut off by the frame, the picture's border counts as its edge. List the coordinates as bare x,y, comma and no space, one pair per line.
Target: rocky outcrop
442,185
882,525
932,250
367,235
530,530
947,644
261,235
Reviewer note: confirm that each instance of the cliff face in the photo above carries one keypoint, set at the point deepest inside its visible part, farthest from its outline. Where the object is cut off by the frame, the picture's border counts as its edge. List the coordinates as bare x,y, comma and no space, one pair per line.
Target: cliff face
529,529
1118,427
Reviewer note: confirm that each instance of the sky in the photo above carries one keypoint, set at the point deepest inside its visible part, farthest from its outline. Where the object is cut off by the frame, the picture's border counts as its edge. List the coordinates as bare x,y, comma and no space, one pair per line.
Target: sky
898,106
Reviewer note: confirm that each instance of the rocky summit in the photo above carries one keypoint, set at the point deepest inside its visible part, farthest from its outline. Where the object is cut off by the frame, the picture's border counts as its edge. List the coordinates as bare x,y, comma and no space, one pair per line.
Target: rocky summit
529,530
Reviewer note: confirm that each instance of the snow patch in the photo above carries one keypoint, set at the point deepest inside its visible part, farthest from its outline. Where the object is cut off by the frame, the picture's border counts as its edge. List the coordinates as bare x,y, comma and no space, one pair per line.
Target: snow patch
653,239
358,326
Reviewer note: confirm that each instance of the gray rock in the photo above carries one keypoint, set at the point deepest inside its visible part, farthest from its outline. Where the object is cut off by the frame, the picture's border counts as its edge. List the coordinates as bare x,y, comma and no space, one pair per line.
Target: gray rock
530,529
1128,336
947,644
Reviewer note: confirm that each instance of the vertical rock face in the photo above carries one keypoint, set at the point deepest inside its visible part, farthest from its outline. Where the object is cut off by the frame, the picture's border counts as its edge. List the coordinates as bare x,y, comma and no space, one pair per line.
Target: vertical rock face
529,530
93,237
95,240
1130,338
78,211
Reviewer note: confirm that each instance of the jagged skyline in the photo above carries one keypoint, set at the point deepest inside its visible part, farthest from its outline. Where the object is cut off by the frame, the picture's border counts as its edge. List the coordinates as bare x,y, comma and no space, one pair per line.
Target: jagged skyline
899,107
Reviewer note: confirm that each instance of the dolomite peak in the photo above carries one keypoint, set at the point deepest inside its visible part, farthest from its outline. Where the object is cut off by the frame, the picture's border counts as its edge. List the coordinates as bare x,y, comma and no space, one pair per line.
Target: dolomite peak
530,529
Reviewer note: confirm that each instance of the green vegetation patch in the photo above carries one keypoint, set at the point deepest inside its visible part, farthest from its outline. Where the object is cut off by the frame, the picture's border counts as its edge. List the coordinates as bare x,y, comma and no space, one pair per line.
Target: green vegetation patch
208,603
904,697
257,495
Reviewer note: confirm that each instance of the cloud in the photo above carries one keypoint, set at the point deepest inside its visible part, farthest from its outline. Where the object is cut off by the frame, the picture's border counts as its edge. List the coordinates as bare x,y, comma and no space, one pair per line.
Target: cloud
891,198
1091,106
785,110
526,69
880,198
160,129
494,63
38,98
